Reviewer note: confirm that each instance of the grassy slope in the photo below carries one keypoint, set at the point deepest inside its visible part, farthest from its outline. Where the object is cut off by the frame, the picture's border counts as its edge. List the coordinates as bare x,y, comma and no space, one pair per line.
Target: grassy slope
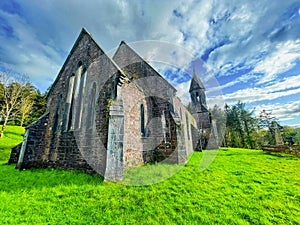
12,137
240,187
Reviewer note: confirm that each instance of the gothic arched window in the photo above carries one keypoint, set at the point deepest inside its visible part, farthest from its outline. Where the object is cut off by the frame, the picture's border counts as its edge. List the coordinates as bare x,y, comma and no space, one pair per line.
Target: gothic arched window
91,107
69,103
76,99
80,97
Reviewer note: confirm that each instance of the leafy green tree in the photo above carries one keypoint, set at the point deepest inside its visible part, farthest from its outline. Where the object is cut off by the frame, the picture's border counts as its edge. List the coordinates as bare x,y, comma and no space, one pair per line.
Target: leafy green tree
288,135
267,120
260,137
249,124
233,127
241,126
296,138
38,107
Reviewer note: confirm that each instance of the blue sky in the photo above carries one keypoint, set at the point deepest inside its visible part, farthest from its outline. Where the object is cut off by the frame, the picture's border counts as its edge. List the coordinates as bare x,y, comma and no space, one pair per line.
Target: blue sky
252,48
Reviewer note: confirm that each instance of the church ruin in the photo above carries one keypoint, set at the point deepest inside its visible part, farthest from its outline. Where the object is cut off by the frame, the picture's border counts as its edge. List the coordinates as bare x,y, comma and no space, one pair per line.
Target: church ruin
107,115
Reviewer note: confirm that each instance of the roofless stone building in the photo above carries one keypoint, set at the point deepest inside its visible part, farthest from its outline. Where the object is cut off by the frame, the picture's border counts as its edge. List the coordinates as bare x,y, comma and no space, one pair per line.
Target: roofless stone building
107,115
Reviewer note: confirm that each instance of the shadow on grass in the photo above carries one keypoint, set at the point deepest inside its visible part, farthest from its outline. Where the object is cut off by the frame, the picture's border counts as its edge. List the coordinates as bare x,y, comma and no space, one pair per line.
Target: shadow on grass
12,133
12,180
239,152
283,155
150,174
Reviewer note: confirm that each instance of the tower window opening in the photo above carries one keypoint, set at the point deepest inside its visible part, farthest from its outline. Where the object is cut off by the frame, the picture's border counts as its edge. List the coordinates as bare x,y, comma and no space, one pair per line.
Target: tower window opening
197,97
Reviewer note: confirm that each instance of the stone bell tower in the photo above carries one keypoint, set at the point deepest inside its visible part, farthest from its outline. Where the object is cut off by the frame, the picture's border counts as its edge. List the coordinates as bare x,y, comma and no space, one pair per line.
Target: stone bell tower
199,107
207,138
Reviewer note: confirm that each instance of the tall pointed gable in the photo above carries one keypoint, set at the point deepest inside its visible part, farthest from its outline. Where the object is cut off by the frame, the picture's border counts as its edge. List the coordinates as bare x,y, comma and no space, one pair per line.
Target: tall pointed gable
133,64
88,52
77,45
196,83
125,56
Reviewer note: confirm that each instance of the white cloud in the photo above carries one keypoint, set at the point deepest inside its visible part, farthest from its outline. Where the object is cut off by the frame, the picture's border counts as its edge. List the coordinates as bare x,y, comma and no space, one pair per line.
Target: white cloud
246,40
26,54
44,33
289,86
286,113
197,26
279,61
295,125
242,79
257,94
182,92
166,53
261,36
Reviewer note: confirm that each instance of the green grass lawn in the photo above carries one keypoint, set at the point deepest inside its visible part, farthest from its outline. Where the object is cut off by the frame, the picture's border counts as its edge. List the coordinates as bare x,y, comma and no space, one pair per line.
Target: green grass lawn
12,137
239,187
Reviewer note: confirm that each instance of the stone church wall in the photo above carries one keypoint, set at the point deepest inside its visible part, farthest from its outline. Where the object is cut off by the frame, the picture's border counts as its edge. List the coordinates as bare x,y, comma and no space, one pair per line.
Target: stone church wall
94,118
188,123
54,144
133,98
15,153
159,141
34,146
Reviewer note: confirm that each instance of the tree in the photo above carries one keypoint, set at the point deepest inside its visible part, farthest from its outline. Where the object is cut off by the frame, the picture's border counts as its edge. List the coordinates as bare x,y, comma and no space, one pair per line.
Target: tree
288,135
260,137
38,108
291,135
25,109
297,136
241,126
230,137
33,104
267,120
249,125
234,133
12,92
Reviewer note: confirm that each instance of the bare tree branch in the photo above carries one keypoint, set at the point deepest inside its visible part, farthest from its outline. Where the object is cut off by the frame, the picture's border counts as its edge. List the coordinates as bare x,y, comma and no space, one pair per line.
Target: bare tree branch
11,94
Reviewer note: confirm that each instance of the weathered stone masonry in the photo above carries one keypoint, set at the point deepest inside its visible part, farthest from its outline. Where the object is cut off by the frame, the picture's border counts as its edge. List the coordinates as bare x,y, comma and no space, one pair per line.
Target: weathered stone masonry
107,115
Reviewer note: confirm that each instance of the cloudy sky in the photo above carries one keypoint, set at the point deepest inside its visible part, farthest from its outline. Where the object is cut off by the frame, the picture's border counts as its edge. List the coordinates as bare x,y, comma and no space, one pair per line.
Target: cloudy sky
250,47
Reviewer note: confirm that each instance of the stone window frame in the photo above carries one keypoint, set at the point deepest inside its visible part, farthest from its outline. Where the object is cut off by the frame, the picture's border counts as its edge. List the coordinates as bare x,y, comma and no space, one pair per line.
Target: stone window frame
81,95
187,125
75,91
142,120
56,118
90,118
69,100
